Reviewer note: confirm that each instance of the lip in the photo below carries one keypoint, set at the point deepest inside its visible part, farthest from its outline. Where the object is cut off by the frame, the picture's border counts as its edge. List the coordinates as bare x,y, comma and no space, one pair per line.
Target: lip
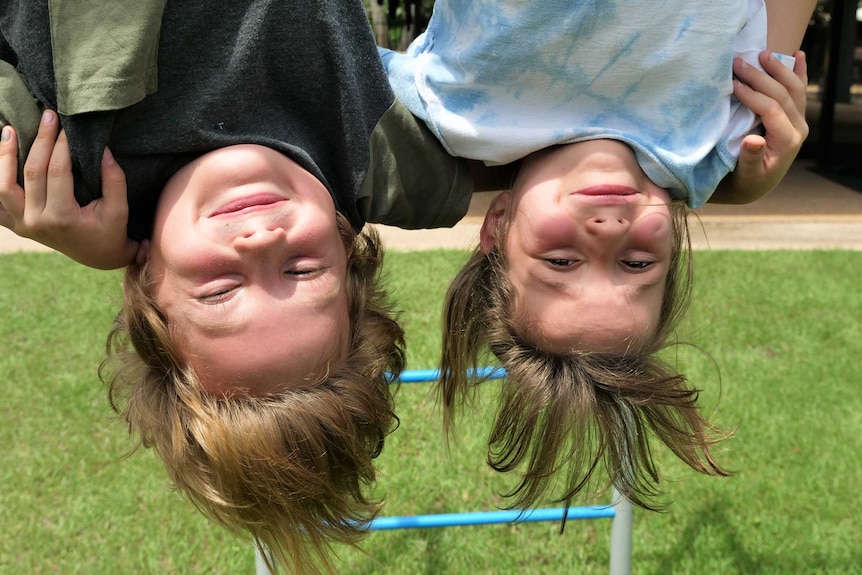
248,204
607,190
607,194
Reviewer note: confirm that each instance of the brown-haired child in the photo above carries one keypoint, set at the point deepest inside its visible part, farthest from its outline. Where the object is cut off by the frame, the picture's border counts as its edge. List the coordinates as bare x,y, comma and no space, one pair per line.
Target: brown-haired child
248,142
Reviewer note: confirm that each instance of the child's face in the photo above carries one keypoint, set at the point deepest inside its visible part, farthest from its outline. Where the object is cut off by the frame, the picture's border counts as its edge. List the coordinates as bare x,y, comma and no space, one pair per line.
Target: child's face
587,237
250,269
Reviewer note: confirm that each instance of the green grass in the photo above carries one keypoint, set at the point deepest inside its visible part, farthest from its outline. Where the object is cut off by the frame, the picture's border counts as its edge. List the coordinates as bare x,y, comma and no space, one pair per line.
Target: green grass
784,329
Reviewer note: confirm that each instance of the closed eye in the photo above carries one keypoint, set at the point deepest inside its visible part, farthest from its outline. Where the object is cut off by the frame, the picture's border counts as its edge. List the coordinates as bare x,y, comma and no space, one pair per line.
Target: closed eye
217,297
306,274
561,262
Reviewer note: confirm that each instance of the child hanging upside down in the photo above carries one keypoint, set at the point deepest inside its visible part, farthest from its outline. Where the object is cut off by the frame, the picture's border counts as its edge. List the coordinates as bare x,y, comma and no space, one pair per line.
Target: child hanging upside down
248,142
621,115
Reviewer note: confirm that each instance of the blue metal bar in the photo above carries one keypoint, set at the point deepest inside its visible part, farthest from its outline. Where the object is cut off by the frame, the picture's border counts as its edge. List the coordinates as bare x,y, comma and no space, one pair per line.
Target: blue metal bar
490,517
423,375
619,511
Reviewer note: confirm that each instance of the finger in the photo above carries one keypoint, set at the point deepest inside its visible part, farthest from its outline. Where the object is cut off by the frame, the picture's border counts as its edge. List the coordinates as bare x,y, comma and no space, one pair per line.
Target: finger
756,101
11,194
36,166
777,81
113,184
783,87
781,133
784,129
801,67
60,195
790,80
113,208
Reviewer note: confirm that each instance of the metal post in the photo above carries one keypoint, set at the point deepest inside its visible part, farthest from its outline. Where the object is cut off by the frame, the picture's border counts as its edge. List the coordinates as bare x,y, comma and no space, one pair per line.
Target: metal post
837,80
621,535
260,567
620,510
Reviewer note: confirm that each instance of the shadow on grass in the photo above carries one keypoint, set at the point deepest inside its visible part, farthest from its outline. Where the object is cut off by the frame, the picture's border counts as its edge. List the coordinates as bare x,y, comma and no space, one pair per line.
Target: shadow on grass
712,517
714,522
403,544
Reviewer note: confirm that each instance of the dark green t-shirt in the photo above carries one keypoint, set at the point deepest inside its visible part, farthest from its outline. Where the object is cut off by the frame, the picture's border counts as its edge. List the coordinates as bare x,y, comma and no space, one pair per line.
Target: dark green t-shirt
300,77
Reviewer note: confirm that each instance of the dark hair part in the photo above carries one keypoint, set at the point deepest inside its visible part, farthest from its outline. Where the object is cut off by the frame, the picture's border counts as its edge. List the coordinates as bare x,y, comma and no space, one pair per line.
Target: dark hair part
292,469
561,415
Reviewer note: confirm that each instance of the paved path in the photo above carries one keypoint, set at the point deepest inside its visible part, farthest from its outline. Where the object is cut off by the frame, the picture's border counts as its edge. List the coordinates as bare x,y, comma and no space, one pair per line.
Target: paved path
806,211
715,233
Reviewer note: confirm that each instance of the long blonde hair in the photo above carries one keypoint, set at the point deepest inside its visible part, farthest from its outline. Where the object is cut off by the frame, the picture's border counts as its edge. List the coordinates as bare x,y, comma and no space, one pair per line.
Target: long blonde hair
293,469
565,414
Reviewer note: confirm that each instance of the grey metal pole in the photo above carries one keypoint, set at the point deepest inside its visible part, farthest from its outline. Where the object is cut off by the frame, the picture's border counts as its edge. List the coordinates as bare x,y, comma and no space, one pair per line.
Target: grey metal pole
621,535
260,567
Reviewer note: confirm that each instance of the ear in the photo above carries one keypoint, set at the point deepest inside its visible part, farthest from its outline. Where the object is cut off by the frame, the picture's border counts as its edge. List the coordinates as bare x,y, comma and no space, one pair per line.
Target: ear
143,254
494,224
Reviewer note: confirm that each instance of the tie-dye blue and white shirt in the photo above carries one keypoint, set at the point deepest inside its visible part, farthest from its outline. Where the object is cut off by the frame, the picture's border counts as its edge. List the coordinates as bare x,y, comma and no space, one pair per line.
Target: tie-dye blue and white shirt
498,79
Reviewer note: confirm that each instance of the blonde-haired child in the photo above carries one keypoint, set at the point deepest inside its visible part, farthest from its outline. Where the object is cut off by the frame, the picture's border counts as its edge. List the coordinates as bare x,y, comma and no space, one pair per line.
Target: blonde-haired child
228,155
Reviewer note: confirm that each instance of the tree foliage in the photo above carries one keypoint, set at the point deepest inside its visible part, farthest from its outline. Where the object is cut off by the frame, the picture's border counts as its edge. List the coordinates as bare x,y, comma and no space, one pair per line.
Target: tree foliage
397,22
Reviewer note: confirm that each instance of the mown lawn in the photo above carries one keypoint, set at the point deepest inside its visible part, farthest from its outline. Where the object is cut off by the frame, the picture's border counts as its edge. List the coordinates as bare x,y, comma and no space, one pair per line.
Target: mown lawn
777,345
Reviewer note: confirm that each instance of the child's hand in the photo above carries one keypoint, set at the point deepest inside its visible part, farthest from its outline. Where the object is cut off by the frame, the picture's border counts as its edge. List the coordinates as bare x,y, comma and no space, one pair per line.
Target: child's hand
45,210
779,99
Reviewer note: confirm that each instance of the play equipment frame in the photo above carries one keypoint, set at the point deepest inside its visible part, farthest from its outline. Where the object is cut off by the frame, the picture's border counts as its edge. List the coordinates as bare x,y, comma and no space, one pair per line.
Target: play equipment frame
619,511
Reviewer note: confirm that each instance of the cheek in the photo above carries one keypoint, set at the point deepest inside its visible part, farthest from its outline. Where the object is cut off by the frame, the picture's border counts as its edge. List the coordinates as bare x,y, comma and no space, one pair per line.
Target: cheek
192,260
653,230
314,227
545,230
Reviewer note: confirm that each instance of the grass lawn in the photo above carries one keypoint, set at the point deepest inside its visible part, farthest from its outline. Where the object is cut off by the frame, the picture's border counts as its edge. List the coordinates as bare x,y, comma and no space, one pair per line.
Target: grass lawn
781,334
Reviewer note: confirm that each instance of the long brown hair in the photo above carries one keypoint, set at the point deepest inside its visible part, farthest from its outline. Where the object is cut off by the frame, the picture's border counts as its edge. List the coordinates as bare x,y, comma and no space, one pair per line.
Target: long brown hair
561,416
293,469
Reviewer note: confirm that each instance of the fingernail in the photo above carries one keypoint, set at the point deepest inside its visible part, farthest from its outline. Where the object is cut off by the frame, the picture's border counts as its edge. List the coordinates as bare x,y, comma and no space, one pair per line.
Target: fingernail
107,158
6,134
47,116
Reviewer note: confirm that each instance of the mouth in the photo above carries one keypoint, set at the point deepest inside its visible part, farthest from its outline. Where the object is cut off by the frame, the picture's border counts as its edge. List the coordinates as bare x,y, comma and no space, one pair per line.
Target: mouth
607,195
607,190
249,204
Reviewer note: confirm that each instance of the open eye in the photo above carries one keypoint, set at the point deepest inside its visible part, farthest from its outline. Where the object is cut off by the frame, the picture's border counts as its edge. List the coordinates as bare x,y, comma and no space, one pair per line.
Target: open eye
636,265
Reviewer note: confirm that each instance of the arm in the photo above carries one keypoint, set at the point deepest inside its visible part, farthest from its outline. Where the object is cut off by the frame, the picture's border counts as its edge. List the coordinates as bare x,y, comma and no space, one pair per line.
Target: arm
786,23
95,234
779,99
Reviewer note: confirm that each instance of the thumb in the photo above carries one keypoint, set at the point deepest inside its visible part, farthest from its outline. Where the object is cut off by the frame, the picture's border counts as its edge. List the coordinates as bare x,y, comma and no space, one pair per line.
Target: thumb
751,154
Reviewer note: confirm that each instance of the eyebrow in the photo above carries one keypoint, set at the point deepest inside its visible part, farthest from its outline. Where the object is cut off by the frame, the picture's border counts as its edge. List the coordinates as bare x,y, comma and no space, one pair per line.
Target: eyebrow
572,288
211,322
568,288
213,326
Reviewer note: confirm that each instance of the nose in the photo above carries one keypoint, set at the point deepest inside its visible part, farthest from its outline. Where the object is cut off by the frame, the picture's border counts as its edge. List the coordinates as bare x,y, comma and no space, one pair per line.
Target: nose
607,225
259,240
